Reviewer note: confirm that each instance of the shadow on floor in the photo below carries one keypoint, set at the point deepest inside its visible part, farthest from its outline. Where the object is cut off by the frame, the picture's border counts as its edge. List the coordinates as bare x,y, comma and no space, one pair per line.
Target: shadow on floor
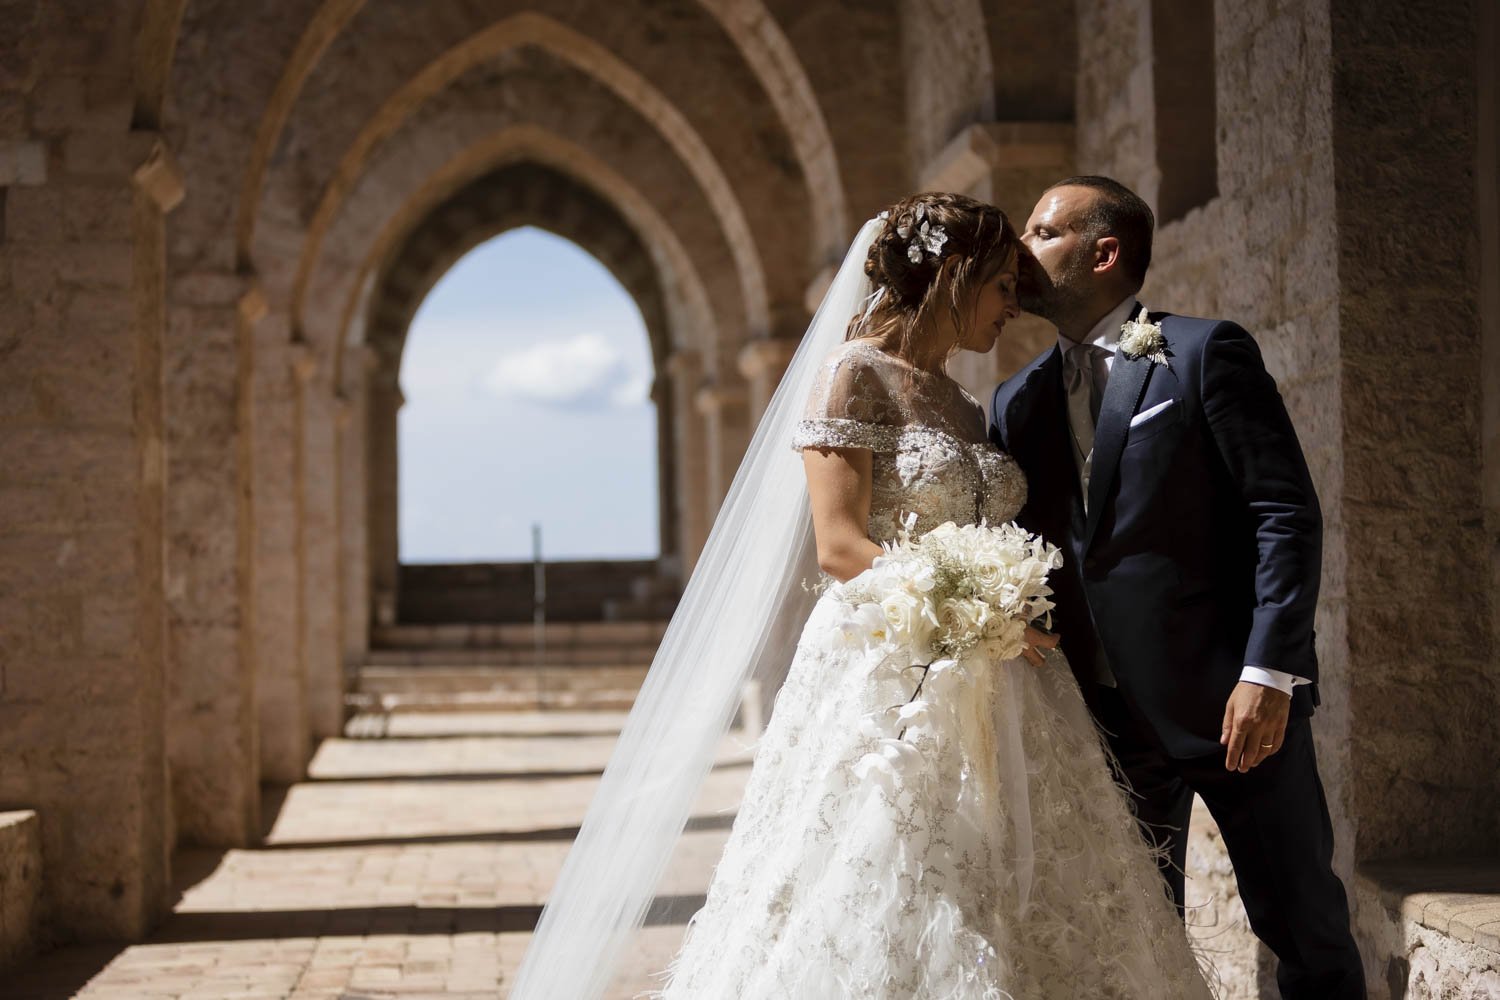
489,734
63,973
696,824
559,775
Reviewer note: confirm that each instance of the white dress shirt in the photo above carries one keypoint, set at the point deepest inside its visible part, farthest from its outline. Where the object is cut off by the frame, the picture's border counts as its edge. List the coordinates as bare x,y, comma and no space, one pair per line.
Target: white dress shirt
1105,335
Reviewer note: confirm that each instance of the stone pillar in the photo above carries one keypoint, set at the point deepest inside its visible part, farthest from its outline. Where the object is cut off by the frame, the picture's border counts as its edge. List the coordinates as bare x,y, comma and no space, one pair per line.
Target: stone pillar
354,495
666,479
383,436
317,548
211,717
685,369
81,514
280,677
762,363
1008,164
725,407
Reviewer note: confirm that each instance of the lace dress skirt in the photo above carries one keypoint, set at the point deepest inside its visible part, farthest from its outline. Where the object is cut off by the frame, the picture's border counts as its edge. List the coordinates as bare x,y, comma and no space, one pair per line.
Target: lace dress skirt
998,859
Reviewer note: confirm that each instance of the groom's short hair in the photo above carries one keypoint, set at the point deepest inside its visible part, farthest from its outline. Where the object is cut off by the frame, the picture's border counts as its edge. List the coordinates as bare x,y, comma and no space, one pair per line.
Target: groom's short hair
1119,212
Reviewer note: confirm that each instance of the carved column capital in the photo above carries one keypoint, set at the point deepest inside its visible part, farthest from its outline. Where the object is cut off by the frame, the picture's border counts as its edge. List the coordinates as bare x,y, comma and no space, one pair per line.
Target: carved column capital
158,174
304,362
253,304
715,398
683,364
766,358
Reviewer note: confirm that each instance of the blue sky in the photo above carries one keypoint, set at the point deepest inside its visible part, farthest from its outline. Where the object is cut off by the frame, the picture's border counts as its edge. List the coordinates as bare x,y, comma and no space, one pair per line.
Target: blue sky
527,378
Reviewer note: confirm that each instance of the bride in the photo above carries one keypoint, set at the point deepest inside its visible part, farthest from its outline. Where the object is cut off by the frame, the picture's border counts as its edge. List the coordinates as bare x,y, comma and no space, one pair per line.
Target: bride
1010,865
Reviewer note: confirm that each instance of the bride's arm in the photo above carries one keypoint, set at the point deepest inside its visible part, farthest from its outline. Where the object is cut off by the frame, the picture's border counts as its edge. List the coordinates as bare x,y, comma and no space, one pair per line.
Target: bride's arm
838,487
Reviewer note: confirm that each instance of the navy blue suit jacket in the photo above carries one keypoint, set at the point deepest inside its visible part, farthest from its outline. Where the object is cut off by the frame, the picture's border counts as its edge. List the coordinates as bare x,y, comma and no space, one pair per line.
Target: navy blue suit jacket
1202,547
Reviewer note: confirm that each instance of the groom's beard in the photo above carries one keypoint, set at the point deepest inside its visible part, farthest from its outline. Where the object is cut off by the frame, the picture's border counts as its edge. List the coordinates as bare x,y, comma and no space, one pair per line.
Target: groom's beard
1059,301
1056,303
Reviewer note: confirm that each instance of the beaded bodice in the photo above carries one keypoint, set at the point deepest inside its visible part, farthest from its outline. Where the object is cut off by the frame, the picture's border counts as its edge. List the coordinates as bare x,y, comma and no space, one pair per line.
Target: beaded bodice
930,453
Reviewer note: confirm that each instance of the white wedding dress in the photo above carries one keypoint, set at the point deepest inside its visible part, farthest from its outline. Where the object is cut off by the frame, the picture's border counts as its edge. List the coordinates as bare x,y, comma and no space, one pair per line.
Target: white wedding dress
1008,864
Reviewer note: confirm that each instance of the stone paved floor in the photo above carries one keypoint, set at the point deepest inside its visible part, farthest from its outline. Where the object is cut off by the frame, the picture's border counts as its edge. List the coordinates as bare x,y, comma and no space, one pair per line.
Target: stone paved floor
411,864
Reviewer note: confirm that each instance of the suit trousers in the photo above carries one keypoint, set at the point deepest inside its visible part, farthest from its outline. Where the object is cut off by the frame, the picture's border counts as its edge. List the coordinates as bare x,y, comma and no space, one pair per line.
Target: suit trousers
1275,825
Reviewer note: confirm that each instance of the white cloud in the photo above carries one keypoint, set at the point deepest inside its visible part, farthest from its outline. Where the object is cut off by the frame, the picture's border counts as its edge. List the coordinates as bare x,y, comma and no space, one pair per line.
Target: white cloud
583,370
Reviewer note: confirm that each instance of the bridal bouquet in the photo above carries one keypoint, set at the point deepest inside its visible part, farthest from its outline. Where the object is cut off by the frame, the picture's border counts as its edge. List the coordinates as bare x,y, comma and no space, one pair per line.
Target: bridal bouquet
955,600
951,592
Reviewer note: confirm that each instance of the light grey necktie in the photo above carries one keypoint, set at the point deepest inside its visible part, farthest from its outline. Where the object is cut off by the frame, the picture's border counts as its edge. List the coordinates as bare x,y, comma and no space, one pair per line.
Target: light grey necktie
1080,380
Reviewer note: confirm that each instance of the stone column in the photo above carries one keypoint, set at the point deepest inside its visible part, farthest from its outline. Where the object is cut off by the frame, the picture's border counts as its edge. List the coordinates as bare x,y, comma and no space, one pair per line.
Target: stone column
666,478
1008,164
381,432
725,407
81,513
685,369
318,606
762,363
354,495
280,681
211,717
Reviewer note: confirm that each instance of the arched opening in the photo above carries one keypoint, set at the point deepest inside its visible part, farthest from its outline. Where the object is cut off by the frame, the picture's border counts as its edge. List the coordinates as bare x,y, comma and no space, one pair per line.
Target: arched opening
527,421
527,378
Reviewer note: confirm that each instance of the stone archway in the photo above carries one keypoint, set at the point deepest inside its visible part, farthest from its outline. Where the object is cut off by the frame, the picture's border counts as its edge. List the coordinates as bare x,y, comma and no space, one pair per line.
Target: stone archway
504,198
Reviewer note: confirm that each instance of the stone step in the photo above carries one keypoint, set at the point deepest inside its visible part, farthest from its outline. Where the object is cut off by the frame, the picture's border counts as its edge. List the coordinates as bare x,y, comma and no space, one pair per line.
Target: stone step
546,699
578,657
519,635
378,681
496,689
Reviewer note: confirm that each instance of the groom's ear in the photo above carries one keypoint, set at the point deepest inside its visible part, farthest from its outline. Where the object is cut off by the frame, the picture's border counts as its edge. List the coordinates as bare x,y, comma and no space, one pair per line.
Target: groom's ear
1106,255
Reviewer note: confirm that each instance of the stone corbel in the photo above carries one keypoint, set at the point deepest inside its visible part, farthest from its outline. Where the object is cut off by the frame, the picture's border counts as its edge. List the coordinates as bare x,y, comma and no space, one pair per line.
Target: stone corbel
761,358
304,362
985,147
763,363
343,411
158,175
253,304
818,287
715,398
684,365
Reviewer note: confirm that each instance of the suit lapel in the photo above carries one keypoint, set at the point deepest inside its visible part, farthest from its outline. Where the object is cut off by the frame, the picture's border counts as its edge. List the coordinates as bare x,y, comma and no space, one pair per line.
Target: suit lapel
1035,413
1127,384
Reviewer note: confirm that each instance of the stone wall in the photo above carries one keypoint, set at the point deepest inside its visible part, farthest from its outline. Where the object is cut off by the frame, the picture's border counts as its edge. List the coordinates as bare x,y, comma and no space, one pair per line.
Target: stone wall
1405,86
1360,318
81,465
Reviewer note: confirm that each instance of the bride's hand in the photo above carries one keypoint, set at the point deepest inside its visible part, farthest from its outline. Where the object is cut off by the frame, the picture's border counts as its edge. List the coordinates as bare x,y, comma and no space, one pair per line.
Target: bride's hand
1037,640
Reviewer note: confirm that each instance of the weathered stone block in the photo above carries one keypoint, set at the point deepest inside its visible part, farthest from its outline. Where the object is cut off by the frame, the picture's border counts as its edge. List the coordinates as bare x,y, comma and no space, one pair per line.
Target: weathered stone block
23,162
33,215
20,886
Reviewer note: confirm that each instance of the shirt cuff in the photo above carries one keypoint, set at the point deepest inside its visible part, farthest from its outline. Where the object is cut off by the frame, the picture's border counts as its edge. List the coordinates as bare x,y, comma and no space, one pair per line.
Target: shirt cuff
1278,679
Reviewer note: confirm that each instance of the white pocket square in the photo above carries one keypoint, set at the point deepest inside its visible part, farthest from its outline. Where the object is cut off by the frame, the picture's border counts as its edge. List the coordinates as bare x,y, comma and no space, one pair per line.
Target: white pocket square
1145,415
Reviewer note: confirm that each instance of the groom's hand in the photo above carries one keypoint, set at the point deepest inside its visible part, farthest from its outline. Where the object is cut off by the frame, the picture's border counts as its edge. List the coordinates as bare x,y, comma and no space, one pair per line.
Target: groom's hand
1254,724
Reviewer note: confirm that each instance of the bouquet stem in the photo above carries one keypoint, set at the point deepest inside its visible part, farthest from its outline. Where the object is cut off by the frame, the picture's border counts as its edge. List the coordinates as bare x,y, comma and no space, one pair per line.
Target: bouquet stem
925,668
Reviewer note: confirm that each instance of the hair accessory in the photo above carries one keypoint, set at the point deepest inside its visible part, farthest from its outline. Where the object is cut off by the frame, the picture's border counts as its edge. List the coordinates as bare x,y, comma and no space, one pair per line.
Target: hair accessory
925,237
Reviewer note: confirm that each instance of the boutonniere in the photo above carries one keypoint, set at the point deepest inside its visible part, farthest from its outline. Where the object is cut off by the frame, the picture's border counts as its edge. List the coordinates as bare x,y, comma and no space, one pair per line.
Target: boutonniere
1141,338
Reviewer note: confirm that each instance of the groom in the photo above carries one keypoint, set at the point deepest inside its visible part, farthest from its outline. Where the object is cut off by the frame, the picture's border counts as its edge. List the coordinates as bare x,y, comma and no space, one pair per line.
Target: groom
1161,460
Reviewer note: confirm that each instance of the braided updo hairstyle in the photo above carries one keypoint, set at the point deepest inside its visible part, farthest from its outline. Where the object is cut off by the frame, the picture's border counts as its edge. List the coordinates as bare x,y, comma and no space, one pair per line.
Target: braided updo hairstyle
980,241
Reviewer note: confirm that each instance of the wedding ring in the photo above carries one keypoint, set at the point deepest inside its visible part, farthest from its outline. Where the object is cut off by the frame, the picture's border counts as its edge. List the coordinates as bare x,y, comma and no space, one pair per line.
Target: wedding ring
1267,746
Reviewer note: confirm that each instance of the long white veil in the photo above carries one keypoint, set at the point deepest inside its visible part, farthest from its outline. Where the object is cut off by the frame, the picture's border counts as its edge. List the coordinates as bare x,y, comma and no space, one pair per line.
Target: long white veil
738,620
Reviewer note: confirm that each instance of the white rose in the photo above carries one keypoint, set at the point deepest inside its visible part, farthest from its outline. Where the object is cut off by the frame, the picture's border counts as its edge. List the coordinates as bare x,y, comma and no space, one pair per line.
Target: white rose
906,616
1004,638
962,618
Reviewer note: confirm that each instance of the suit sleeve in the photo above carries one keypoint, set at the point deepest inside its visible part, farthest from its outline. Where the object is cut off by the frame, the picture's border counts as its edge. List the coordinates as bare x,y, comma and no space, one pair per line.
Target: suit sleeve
998,436
1259,446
